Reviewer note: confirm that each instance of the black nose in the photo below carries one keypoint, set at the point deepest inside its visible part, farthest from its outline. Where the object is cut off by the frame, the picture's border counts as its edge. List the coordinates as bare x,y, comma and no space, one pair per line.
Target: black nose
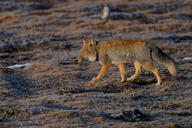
76,61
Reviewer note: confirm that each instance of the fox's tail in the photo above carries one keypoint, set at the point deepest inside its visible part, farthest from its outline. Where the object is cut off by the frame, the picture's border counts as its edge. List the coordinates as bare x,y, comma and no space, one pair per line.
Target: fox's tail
162,58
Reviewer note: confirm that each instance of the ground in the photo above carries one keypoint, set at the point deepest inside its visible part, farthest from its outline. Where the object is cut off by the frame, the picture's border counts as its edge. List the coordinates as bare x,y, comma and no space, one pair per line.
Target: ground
53,92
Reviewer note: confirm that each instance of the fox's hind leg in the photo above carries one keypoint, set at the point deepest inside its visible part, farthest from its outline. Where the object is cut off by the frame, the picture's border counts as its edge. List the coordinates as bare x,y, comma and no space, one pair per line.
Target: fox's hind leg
122,72
137,71
152,68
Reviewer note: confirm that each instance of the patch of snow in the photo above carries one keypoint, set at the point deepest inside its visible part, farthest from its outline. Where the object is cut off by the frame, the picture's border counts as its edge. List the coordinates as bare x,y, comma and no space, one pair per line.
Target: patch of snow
187,58
19,65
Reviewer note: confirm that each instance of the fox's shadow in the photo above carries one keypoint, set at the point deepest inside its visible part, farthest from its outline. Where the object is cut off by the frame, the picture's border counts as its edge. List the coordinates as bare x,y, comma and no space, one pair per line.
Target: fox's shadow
116,86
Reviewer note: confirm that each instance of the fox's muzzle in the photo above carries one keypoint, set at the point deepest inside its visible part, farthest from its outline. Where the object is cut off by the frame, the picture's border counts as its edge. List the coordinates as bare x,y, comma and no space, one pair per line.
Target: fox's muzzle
79,60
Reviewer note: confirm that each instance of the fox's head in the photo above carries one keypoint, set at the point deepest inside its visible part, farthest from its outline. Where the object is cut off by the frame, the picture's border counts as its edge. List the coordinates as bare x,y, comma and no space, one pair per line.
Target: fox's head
88,51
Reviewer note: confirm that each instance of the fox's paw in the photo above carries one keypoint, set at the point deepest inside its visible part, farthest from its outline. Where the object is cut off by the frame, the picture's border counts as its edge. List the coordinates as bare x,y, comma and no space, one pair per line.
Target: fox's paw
130,80
158,84
93,81
123,80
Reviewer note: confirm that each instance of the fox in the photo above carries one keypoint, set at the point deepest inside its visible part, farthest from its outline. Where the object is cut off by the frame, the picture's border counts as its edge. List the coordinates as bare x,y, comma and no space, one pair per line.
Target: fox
120,52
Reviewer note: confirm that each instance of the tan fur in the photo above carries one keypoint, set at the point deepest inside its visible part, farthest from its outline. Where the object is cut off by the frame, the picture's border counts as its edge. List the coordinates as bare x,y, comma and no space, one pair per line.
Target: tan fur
120,52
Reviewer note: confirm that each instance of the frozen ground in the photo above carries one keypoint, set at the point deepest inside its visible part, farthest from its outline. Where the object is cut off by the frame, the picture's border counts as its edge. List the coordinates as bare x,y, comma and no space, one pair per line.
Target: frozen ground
52,92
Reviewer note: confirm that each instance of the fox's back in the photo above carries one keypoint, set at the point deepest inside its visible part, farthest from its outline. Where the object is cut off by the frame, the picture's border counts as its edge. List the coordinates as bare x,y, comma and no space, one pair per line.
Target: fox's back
122,51
121,44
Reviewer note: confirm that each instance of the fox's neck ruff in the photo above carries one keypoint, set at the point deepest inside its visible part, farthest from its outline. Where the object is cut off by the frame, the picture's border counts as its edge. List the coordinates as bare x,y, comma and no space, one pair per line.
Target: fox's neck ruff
97,56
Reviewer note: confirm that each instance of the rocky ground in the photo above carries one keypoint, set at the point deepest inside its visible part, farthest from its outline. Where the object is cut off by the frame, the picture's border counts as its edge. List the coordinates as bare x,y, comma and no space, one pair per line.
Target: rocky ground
52,90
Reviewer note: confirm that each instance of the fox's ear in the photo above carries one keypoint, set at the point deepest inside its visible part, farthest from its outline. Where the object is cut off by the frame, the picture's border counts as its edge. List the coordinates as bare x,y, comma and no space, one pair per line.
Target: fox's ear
84,41
92,42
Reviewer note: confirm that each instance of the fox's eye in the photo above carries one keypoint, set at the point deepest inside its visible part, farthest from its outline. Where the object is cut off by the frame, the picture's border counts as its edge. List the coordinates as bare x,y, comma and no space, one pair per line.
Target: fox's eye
85,52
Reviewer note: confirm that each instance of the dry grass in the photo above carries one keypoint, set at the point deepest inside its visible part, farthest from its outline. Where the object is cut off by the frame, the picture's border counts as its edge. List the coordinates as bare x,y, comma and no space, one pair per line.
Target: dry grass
7,17
171,125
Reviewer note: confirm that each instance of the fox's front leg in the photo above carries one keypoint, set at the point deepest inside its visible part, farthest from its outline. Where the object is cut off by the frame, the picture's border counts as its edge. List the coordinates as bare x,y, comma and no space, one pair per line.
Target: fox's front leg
101,73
